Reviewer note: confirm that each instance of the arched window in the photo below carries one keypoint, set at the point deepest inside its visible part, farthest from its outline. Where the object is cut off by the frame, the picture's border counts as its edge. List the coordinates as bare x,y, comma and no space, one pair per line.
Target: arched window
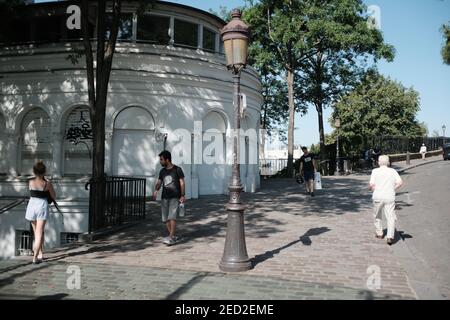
212,169
35,141
134,152
77,146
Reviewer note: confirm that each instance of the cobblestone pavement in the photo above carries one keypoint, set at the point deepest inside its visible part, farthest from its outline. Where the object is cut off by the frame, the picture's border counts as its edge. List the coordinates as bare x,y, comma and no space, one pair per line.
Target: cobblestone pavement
301,247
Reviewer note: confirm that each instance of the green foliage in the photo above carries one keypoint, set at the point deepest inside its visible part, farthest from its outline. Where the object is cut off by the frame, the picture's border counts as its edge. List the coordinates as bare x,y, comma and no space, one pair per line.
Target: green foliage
423,129
344,42
446,48
378,106
8,6
326,43
224,13
274,111
278,47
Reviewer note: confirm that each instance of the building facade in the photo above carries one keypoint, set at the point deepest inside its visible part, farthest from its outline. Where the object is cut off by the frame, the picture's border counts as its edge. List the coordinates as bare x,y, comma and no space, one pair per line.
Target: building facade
168,76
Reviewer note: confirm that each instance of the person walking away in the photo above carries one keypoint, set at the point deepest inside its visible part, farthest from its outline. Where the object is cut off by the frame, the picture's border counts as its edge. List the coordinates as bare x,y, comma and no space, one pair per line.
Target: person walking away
368,158
423,151
308,169
171,177
37,212
384,182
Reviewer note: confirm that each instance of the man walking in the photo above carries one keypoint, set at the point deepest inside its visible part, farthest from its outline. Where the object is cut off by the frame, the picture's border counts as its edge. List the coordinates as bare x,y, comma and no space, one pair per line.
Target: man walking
307,170
172,179
384,182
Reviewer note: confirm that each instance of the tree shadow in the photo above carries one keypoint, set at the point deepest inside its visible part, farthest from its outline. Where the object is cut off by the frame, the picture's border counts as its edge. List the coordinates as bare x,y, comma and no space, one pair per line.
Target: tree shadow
187,286
206,217
304,239
11,279
339,196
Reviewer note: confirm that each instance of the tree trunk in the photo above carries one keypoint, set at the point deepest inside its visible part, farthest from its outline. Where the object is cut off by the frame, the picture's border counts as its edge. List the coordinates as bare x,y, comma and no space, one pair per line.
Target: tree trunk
319,109
98,93
290,163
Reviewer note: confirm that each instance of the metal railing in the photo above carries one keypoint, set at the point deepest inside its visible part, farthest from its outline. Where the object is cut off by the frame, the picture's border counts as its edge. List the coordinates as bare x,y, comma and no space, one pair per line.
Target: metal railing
270,167
124,202
12,205
398,145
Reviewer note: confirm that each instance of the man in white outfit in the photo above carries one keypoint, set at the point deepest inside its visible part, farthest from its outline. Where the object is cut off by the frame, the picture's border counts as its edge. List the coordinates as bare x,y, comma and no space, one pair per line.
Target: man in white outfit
423,151
384,182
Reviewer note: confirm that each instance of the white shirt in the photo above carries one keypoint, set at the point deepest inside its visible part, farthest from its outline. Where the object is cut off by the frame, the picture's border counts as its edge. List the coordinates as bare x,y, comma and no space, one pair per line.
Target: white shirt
423,149
384,179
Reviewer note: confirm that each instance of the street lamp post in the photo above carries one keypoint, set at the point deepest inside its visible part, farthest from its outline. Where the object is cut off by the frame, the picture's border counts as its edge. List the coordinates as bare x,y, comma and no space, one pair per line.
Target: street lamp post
443,132
337,124
235,36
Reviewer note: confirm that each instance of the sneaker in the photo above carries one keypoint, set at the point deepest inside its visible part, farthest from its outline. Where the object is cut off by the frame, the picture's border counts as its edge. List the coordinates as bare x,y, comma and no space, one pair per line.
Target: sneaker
379,236
390,241
170,242
166,240
312,194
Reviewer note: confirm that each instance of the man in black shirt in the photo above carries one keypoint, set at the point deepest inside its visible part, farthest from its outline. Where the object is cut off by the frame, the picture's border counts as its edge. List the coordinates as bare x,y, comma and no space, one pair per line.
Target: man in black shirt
307,170
172,179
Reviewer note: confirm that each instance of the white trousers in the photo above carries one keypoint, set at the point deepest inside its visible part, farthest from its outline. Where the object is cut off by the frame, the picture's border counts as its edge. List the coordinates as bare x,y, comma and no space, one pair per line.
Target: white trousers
387,208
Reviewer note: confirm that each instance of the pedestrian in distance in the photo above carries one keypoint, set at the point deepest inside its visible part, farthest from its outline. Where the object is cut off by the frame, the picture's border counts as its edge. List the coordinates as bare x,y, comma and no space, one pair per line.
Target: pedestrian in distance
42,194
368,158
171,177
423,151
384,182
308,170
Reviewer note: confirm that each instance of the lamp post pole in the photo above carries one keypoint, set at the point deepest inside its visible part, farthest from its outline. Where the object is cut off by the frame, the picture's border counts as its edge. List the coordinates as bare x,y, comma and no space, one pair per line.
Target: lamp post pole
443,134
235,257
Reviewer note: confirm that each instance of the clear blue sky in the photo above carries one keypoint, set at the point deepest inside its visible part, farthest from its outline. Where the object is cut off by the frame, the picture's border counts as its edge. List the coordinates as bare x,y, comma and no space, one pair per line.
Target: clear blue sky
412,26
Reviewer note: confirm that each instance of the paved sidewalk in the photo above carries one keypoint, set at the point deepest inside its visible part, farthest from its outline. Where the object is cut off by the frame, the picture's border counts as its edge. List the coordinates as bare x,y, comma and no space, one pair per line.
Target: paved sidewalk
302,248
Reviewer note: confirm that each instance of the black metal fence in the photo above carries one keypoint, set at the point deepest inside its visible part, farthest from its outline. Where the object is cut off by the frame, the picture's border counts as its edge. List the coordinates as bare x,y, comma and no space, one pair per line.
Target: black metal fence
124,202
352,153
399,145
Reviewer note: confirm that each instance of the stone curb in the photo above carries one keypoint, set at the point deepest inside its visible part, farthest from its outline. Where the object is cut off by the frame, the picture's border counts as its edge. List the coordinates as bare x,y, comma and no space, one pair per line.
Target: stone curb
418,165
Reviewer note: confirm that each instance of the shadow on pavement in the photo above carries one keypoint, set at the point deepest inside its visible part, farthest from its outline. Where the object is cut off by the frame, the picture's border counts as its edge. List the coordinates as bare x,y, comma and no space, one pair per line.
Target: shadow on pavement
206,218
304,239
57,296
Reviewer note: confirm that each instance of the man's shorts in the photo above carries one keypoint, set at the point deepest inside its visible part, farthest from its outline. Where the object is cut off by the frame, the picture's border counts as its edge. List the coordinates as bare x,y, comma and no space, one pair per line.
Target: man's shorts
308,175
169,208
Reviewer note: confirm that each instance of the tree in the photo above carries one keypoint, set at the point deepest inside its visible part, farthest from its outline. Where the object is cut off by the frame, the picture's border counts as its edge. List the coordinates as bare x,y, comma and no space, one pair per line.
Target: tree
377,107
279,43
224,13
446,48
98,92
424,128
343,41
108,17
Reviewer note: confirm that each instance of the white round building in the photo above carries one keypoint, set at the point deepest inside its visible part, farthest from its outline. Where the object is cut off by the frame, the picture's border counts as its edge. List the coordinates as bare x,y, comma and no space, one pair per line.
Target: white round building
168,79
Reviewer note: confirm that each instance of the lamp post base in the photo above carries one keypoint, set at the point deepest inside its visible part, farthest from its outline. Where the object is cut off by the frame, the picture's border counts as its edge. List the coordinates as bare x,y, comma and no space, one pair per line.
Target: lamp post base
235,257
228,266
